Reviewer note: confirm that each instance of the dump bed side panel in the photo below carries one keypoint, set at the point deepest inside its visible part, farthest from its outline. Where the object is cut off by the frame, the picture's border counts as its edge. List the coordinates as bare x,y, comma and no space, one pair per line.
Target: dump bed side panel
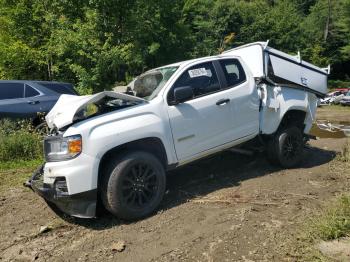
280,68
285,68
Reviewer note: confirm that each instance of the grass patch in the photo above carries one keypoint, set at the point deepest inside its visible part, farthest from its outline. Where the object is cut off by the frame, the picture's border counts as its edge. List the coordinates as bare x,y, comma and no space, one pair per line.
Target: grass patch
335,107
340,168
15,173
330,224
20,152
340,107
334,222
344,155
19,141
8,166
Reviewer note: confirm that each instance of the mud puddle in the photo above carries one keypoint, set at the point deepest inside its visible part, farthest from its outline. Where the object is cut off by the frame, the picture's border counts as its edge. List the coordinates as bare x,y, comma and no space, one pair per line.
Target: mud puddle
327,129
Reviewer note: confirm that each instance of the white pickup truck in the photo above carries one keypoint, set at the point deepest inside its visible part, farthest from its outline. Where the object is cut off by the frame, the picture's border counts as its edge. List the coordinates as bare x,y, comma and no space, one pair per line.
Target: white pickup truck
113,149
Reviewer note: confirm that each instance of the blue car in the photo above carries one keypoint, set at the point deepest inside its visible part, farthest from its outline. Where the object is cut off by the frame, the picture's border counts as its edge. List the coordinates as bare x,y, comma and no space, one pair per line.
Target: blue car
25,99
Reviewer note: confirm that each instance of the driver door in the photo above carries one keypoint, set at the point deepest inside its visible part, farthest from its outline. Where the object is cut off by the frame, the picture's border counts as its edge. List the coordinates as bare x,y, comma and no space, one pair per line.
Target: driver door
203,122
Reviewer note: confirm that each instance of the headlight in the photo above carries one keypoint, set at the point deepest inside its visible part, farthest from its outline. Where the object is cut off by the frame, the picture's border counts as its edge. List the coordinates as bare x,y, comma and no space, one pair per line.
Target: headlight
58,148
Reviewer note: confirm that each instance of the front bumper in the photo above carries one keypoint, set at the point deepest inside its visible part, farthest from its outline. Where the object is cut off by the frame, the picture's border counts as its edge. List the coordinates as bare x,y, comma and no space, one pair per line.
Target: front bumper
78,205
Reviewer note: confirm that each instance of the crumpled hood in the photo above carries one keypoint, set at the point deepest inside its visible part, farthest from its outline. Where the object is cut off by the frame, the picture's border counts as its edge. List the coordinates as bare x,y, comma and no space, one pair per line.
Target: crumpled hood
63,112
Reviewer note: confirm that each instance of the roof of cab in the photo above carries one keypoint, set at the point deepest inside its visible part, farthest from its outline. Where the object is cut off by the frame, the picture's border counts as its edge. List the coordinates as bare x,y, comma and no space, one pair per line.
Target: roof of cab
190,61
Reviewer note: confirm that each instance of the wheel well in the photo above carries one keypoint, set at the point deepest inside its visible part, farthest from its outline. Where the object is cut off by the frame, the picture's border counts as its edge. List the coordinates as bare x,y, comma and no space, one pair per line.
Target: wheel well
293,118
151,145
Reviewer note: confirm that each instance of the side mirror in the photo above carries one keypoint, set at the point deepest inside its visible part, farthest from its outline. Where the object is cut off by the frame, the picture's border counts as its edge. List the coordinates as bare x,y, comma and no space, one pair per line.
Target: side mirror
182,94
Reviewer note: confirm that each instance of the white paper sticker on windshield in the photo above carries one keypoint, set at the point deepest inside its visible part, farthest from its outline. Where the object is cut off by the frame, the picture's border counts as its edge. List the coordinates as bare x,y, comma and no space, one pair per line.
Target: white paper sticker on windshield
198,72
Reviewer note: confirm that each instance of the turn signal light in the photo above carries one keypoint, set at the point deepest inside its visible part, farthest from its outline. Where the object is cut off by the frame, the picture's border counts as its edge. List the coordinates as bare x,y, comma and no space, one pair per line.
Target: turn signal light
74,146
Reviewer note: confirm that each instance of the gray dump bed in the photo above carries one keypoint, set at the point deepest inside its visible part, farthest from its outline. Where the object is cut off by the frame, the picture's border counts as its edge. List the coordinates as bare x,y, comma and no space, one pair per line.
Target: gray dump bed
280,68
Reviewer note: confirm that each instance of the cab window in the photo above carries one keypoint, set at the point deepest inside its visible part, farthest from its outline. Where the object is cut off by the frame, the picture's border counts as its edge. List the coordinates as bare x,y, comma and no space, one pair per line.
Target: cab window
233,72
202,78
11,90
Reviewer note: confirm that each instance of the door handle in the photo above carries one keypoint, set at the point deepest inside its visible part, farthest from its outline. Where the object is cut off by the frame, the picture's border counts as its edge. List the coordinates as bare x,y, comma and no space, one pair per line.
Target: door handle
222,101
33,102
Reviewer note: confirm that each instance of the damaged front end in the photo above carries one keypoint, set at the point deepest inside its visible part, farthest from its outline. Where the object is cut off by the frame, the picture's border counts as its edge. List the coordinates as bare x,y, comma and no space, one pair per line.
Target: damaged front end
78,205
66,180
51,180
71,109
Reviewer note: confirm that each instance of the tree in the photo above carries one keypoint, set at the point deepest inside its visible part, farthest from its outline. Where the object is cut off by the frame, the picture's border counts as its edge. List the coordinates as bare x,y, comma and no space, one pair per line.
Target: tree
98,43
326,37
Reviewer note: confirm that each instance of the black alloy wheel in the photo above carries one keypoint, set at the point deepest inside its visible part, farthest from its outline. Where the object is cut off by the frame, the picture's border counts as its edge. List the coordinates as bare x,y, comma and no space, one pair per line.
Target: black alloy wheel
133,185
139,186
291,147
285,148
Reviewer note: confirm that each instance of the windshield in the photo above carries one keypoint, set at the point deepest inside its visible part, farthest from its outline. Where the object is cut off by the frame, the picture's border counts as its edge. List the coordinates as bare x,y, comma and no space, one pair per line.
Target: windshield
148,85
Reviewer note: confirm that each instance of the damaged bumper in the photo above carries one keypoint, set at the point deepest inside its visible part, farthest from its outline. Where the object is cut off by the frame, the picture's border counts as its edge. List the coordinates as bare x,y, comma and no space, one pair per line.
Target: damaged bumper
78,205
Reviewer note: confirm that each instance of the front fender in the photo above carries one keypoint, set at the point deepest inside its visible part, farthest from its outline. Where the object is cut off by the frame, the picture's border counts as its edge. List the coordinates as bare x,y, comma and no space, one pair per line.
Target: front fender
102,133
109,135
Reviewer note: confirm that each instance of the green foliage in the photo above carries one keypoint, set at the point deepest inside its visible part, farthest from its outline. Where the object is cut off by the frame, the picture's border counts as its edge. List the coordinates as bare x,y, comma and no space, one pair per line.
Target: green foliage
334,222
332,84
344,27
19,141
96,44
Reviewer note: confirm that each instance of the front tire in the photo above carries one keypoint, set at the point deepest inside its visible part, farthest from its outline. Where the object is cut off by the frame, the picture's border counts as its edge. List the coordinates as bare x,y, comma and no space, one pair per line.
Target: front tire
286,147
133,185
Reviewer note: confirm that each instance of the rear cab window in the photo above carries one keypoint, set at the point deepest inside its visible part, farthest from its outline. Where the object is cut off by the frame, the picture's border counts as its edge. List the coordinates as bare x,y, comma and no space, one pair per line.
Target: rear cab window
59,88
233,71
202,78
30,91
11,90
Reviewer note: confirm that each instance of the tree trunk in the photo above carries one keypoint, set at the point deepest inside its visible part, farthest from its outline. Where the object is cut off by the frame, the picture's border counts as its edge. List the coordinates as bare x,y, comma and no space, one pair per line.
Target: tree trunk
326,30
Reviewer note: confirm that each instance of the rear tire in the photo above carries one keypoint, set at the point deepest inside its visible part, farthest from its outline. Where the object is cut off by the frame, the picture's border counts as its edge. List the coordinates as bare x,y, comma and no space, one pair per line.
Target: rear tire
133,185
286,147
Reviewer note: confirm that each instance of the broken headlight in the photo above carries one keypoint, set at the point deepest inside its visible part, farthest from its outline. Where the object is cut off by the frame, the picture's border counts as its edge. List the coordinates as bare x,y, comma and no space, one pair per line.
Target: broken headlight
59,148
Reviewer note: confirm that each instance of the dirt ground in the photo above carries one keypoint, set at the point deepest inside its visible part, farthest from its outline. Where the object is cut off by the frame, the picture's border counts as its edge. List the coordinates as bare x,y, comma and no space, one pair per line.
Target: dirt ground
228,207
335,114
